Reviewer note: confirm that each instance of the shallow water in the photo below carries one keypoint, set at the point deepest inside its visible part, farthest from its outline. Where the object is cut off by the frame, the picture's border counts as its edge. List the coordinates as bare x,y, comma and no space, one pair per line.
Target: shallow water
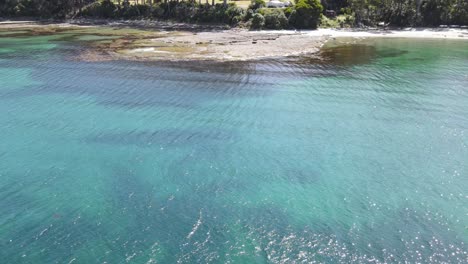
361,156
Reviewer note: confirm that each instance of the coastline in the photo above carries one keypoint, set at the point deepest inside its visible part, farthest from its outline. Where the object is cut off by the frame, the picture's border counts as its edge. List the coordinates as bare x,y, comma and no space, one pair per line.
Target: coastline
157,40
427,33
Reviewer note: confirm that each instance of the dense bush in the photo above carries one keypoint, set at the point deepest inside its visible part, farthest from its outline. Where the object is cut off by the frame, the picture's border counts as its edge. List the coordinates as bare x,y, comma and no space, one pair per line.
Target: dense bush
205,14
183,11
288,10
307,11
249,14
105,9
459,13
434,12
346,20
258,21
274,18
341,21
234,14
409,12
158,11
306,14
326,22
26,8
257,4
402,14
38,8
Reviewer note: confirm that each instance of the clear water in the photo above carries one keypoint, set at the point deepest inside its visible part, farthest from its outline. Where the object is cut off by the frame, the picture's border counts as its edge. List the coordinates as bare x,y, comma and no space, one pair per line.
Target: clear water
359,157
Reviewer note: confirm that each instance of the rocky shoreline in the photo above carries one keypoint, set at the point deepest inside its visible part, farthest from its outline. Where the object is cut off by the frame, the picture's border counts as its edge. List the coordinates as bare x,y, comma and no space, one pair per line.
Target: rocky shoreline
153,40
222,46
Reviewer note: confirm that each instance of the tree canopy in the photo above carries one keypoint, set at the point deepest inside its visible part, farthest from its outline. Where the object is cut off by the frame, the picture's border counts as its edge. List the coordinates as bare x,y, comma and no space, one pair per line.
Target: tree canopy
365,12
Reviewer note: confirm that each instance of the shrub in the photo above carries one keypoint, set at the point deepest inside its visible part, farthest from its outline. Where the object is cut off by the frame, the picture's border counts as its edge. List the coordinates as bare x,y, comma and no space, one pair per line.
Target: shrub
341,21
459,13
25,8
346,11
145,10
136,11
236,20
34,8
404,15
257,4
234,14
167,9
346,20
326,22
434,12
306,14
258,21
105,9
158,11
204,14
218,14
184,11
275,18
287,11
249,14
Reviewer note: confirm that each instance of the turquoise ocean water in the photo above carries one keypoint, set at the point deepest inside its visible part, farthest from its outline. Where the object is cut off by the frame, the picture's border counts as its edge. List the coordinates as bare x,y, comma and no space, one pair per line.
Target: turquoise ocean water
360,157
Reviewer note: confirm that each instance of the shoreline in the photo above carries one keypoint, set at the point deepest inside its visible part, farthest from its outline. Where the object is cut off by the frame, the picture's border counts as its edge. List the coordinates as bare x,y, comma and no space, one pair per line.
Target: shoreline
161,40
460,32
417,33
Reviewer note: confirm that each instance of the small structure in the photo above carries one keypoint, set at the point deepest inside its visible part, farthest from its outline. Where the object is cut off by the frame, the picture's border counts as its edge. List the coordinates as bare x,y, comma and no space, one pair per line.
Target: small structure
330,13
277,4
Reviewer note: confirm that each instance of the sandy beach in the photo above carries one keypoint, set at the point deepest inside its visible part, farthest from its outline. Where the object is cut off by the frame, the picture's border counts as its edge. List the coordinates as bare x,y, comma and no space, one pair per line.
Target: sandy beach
432,33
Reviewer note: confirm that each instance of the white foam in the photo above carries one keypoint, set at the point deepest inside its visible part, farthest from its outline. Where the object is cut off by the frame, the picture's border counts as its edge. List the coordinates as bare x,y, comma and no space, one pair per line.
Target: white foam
195,226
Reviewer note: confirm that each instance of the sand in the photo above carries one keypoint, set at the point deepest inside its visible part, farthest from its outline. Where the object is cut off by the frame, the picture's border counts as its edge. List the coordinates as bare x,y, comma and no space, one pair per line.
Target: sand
429,33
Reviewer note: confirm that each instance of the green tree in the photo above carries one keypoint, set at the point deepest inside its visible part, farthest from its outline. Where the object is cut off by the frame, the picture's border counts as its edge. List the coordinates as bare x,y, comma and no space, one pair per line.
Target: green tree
435,12
306,14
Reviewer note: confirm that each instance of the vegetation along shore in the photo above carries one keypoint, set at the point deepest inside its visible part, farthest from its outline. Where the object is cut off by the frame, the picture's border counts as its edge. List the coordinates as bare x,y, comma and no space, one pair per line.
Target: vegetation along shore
298,14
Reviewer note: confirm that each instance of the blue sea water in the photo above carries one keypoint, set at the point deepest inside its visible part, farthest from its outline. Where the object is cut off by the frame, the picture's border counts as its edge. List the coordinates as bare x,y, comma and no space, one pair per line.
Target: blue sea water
358,157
